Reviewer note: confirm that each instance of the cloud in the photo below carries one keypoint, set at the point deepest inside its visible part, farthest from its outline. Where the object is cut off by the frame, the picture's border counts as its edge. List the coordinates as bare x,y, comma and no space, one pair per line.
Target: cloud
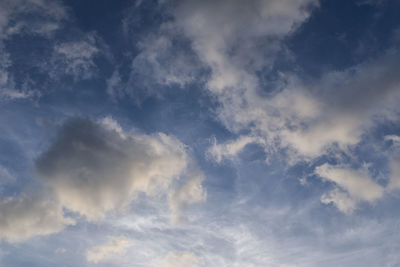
394,179
230,149
116,246
5,176
236,40
75,58
167,65
227,35
342,200
27,216
94,168
355,187
48,16
179,259
188,193
22,17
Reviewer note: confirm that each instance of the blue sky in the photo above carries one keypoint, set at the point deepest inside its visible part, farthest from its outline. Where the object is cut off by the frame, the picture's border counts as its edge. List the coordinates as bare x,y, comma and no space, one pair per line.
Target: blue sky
199,133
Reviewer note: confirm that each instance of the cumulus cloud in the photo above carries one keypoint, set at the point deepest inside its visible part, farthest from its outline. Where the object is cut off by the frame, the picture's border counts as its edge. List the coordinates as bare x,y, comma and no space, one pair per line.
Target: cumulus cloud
179,259
94,168
354,187
26,216
116,246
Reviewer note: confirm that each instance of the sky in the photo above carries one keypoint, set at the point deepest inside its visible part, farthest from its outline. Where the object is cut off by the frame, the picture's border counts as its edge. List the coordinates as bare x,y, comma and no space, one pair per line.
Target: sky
180,133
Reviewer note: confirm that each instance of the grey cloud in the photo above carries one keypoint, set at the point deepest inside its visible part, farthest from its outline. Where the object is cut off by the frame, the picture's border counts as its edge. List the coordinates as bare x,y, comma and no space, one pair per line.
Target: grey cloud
95,168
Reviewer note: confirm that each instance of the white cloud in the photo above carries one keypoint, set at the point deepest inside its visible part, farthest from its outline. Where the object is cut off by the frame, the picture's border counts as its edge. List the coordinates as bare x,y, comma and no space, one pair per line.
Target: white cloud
236,39
357,186
231,148
226,35
393,138
179,259
26,216
188,193
342,200
116,246
94,168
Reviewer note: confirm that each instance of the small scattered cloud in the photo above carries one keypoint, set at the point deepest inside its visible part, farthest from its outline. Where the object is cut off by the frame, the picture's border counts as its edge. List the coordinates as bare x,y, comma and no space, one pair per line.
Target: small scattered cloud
75,58
228,150
353,187
116,246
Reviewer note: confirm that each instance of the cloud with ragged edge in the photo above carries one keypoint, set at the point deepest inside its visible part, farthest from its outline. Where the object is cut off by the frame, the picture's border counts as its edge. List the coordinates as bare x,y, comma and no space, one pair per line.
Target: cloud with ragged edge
307,120
224,107
94,168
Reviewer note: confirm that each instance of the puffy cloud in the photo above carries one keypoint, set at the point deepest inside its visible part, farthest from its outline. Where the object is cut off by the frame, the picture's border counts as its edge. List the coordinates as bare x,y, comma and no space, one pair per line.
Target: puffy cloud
236,39
226,34
94,168
188,193
26,216
116,246
356,187
179,259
